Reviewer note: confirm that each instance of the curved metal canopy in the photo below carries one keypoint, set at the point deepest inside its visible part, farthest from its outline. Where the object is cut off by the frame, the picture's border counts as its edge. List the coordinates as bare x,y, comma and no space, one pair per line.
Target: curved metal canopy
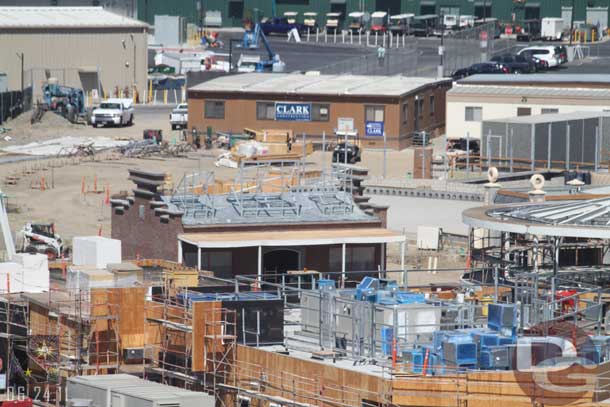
588,219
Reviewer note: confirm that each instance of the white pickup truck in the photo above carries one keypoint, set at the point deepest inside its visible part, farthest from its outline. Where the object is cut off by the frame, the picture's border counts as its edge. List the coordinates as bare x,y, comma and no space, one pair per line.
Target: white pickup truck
179,117
118,112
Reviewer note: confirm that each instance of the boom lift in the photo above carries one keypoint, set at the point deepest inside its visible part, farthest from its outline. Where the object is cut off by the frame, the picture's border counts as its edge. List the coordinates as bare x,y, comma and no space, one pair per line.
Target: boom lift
251,40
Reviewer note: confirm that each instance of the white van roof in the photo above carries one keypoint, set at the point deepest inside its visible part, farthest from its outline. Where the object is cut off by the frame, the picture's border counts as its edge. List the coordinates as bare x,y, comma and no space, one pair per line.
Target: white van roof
402,16
378,14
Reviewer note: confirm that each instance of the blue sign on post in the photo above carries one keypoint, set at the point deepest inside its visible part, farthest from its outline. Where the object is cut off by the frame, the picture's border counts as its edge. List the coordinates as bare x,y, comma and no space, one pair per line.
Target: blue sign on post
295,112
374,129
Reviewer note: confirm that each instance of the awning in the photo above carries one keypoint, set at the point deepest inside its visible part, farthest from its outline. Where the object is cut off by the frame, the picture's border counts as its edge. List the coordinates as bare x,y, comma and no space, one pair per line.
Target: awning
309,237
87,69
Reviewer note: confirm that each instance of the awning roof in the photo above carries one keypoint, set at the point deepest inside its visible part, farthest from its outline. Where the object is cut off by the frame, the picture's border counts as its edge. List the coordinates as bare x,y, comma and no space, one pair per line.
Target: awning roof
309,237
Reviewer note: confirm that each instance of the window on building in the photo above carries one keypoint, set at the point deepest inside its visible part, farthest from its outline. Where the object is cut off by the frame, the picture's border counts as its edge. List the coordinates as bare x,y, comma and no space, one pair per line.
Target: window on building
214,109
548,110
432,105
265,111
474,114
374,113
218,261
524,111
357,258
405,113
320,112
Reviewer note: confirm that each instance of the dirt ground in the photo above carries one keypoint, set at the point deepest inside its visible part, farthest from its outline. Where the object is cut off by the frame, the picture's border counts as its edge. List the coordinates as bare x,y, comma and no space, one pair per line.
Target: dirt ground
76,213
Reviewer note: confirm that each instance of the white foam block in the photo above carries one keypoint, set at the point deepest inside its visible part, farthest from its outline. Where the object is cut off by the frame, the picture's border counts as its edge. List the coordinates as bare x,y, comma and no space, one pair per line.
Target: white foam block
35,273
95,251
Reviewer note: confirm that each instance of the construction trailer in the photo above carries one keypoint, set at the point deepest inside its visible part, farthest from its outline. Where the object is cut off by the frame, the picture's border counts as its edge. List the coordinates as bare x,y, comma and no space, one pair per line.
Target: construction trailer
127,390
547,141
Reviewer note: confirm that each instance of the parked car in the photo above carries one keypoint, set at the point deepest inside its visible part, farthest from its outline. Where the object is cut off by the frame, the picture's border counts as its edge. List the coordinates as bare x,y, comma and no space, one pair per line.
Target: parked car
178,118
541,64
279,25
480,68
546,53
516,63
113,111
353,153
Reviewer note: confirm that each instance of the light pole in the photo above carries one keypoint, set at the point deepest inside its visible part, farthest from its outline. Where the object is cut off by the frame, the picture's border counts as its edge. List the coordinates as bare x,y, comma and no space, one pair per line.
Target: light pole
133,40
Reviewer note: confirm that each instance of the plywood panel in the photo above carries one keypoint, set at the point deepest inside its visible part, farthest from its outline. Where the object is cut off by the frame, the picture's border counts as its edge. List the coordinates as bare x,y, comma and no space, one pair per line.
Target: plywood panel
311,379
130,303
204,313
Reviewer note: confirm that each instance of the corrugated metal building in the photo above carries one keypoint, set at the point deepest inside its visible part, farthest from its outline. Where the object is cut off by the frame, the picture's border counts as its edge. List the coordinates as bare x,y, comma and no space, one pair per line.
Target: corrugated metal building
233,11
86,47
127,8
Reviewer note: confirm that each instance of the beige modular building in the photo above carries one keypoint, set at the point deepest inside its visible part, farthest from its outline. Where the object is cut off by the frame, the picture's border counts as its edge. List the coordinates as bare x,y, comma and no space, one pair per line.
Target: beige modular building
481,98
85,47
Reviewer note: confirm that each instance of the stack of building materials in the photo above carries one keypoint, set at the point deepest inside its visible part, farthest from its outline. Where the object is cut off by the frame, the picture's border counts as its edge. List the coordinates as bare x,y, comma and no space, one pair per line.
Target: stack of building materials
127,390
96,251
25,273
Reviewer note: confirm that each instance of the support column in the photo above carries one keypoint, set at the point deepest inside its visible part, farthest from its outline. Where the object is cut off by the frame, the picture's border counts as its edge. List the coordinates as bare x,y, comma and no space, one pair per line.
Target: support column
179,252
198,258
402,264
260,265
343,254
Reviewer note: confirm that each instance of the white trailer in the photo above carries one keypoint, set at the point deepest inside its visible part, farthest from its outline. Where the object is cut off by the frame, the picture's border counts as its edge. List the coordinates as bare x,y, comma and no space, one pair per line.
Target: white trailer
122,390
552,29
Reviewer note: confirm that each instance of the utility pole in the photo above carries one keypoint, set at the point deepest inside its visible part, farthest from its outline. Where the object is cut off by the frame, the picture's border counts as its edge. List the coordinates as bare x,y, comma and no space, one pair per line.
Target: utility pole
134,60
20,56
572,23
484,11
441,48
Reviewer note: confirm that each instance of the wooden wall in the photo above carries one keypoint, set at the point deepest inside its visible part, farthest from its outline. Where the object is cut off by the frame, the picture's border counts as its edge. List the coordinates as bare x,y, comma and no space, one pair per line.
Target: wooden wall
307,381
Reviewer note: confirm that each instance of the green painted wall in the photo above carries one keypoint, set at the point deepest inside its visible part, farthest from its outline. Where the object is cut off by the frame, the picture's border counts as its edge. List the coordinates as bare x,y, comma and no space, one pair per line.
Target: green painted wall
501,9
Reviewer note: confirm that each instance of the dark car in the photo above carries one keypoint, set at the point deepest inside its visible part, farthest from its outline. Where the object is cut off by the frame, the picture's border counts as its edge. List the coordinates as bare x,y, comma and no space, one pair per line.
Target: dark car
562,54
540,64
481,68
279,25
516,63
353,153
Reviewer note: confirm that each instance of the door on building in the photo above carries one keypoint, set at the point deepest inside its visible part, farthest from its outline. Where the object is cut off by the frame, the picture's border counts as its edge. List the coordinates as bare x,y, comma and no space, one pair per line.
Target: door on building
532,11
89,79
391,6
235,12
598,16
427,8
482,9
277,262
339,6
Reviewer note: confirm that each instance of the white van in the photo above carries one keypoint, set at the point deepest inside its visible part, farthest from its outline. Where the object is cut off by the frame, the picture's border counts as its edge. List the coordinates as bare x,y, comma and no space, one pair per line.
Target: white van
545,53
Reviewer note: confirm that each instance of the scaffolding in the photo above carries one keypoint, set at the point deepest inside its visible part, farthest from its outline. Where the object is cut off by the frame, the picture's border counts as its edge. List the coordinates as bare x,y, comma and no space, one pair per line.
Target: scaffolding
178,331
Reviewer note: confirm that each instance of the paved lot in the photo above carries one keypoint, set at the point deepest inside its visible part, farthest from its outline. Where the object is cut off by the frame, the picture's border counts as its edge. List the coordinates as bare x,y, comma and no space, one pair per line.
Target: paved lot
420,57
